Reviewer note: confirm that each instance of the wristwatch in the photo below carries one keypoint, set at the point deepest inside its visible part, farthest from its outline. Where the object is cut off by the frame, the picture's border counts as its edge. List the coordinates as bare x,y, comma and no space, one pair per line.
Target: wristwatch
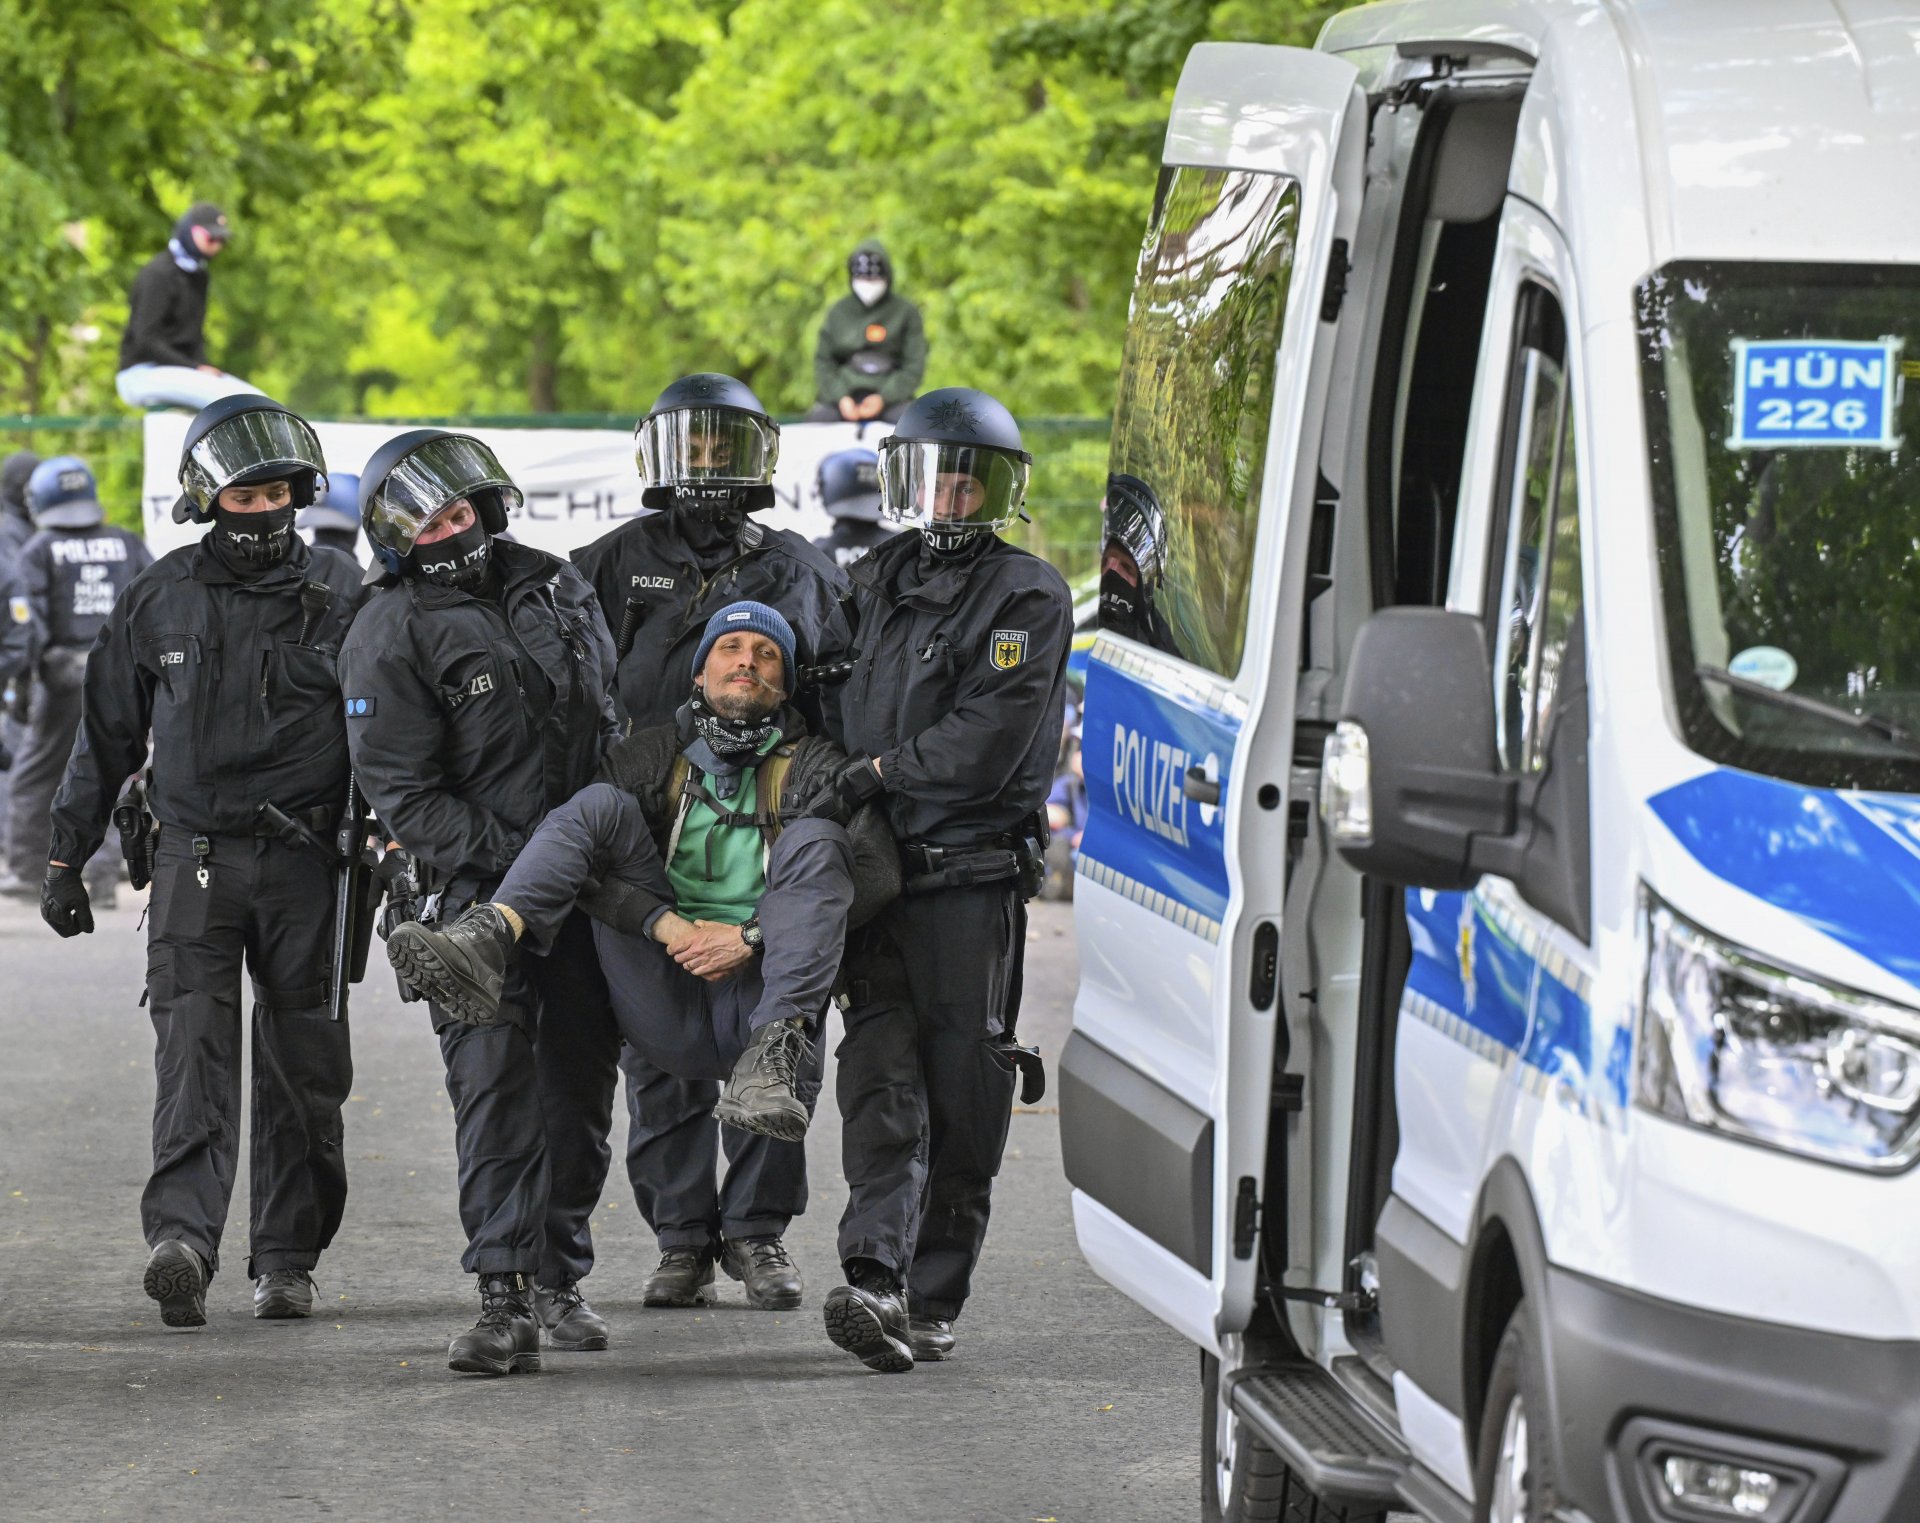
750,933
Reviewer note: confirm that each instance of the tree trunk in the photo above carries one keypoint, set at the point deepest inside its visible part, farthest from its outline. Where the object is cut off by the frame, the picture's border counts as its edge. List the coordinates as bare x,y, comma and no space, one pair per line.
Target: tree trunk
543,363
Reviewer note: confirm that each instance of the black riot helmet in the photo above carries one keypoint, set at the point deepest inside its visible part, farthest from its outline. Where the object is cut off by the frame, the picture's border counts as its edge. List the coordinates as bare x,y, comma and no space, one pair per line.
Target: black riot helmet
849,485
243,439
1134,520
954,468
707,439
413,476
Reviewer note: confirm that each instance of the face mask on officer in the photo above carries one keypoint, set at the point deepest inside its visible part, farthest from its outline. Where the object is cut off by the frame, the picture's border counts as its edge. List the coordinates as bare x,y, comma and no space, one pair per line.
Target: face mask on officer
720,504
453,550
253,523
1121,597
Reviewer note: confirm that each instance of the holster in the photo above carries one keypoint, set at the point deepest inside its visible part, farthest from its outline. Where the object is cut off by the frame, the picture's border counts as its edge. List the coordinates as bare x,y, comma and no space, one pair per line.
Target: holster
139,832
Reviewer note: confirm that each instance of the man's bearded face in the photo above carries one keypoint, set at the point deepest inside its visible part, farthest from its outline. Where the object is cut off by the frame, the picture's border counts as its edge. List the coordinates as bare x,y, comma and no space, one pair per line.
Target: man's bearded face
743,675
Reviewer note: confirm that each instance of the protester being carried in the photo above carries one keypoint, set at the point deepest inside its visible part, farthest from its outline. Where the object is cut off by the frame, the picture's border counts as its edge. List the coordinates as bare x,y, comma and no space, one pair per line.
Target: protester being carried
163,353
719,876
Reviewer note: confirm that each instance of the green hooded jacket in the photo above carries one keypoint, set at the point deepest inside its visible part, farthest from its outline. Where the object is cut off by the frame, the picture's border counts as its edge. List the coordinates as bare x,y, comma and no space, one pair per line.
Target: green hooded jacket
889,335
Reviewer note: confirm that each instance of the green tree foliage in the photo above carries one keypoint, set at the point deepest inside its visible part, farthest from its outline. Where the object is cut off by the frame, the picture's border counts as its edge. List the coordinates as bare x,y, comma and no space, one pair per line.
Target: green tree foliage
539,205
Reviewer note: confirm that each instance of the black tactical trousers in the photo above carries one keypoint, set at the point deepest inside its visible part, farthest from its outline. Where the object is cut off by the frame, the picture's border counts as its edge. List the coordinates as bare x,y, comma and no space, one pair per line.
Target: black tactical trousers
526,1106
924,1101
674,1022
258,902
53,719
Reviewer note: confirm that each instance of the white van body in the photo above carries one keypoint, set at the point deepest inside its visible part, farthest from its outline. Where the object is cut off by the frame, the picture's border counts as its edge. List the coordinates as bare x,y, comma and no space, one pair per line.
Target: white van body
1583,321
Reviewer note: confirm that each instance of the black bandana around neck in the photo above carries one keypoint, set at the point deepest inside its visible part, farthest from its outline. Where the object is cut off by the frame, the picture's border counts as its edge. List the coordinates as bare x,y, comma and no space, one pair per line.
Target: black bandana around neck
732,741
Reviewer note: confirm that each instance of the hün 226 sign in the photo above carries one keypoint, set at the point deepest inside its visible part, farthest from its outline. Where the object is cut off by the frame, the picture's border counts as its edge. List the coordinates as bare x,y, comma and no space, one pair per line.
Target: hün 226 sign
1815,393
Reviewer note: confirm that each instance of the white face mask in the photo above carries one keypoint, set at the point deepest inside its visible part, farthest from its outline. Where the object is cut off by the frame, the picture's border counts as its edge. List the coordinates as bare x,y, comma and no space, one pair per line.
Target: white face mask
869,291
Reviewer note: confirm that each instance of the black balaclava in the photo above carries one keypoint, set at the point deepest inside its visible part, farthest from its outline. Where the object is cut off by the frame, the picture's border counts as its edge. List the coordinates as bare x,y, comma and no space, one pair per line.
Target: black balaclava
1123,604
15,471
250,543
709,519
459,561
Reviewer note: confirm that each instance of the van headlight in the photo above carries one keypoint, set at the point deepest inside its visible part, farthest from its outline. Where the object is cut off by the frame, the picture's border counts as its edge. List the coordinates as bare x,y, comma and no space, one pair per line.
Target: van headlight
1733,1043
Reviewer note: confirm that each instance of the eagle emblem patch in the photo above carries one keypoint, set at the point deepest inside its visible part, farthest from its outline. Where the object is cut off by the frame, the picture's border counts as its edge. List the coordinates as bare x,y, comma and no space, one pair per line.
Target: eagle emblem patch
1009,648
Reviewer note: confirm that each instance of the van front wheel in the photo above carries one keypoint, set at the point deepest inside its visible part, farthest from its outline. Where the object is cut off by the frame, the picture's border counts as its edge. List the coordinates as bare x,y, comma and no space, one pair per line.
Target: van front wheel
1513,1473
1243,1481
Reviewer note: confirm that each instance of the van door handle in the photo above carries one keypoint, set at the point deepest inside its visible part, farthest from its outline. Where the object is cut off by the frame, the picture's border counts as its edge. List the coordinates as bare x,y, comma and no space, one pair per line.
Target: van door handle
1197,786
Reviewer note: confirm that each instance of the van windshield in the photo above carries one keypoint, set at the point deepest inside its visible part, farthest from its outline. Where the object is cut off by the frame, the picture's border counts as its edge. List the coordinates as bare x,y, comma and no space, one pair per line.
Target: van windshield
1782,441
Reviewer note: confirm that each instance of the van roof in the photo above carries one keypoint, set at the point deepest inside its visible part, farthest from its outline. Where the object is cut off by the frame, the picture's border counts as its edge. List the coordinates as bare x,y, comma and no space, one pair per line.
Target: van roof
1771,129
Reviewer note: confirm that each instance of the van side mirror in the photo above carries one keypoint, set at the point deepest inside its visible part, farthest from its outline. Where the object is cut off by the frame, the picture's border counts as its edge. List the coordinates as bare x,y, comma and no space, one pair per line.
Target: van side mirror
1412,791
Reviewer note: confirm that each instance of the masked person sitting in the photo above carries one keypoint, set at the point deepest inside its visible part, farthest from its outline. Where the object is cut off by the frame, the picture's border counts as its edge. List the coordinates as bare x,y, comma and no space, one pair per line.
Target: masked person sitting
720,882
871,354
223,650
475,685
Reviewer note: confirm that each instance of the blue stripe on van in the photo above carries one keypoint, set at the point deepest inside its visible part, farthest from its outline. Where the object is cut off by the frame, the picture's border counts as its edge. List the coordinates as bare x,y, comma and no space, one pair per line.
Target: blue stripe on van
1492,981
1846,863
1136,745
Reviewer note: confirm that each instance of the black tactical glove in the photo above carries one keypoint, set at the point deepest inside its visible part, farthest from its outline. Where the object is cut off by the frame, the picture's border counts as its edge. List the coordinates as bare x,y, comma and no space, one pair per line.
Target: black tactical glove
858,783
63,902
400,872
6,758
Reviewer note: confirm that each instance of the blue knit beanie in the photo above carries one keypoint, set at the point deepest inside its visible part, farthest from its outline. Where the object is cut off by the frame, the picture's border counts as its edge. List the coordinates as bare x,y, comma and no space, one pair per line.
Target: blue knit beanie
757,617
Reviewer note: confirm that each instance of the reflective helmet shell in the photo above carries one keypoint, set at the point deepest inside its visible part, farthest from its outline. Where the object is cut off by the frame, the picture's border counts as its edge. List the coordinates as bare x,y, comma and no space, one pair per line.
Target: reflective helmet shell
849,485
492,503
705,390
200,489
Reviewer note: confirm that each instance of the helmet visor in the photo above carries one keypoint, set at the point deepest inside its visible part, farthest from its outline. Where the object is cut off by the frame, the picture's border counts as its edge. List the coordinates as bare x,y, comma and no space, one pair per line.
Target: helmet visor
718,446
950,488
248,444
438,473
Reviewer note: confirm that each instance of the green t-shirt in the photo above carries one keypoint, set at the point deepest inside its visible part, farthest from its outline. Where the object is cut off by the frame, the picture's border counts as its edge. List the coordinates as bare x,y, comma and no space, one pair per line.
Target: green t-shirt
718,872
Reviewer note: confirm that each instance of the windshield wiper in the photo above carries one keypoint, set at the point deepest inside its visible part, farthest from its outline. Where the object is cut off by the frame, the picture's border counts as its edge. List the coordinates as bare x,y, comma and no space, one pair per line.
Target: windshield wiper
1872,724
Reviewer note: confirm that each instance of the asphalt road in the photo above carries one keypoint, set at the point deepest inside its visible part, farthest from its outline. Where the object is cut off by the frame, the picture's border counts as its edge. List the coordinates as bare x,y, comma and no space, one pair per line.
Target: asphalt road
1066,1401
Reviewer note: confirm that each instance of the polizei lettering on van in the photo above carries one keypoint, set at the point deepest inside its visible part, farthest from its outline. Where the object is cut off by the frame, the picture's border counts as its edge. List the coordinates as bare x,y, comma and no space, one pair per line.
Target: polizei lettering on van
1147,775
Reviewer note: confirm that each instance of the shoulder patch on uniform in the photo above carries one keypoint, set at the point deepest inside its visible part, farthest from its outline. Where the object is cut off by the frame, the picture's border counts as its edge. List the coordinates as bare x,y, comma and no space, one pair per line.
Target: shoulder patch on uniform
1009,648
20,612
359,708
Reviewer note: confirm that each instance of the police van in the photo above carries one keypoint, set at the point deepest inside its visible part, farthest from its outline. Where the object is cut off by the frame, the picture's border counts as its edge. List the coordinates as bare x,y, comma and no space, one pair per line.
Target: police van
1498,1040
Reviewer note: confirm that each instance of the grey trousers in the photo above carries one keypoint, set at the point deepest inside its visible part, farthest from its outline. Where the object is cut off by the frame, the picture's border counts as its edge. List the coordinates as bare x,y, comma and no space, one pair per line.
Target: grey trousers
53,719
678,1023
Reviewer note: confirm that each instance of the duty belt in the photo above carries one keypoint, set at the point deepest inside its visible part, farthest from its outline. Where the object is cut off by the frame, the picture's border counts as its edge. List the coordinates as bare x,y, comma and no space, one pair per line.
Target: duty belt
320,820
927,867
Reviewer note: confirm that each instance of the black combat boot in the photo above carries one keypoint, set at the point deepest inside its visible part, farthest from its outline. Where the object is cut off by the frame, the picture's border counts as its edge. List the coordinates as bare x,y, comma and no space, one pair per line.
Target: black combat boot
177,1278
283,1293
763,1266
930,1338
506,1339
570,1325
462,968
868,1318
759,1095
684,1278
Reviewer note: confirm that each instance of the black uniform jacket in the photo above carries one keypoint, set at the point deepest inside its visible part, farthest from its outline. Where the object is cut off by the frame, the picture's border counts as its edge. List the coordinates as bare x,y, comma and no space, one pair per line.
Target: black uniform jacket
236,684
960,686
468,722
648,559
71,579
166,315
643,765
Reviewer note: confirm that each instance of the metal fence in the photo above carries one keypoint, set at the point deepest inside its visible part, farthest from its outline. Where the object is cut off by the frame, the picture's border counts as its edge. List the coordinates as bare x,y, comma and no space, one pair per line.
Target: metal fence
1069,467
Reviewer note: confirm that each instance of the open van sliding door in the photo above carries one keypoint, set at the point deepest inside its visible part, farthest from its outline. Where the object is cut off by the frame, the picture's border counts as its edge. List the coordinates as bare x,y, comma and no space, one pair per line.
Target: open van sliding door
1168,1078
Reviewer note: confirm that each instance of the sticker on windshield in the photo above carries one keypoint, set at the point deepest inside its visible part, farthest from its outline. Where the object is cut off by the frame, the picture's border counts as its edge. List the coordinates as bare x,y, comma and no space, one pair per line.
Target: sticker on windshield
1767,665
1815,393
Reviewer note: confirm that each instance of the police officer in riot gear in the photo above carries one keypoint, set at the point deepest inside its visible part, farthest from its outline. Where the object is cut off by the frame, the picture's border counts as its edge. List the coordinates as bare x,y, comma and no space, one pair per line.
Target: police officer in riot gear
224,650
16,623
706,451
848,484
334,521
953,717
1132,560
70,573
476,687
